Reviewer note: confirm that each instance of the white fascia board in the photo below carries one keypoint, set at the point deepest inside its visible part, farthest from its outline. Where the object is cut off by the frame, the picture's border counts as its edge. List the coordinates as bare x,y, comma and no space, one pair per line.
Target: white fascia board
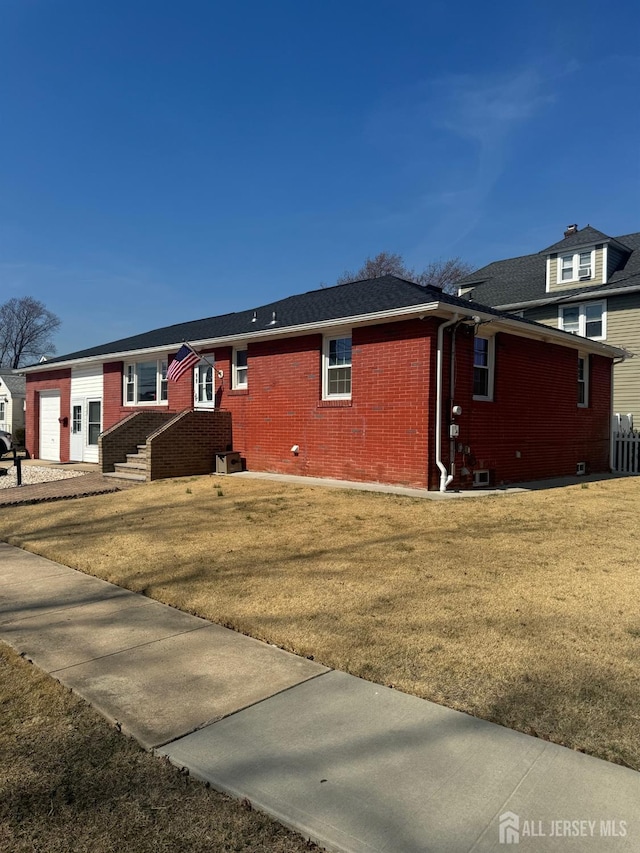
552,336
395,315
515,326
583,296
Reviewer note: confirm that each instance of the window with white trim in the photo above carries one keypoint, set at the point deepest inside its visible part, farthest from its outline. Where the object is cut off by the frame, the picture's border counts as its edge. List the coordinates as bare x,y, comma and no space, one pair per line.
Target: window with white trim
483,367
145,383
336,373
2,410
240,371
577,266
94,421
583,381
587,319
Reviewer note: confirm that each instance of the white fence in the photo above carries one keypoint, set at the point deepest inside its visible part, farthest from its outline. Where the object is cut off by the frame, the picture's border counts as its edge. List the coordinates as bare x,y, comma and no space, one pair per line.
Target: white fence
625,452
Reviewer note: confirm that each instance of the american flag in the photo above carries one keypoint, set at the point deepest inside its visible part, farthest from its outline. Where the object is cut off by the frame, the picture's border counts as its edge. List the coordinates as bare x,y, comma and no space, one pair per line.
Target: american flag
183,360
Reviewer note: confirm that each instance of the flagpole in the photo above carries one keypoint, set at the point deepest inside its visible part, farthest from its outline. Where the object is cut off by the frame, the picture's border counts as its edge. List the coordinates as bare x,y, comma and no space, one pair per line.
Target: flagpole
203,358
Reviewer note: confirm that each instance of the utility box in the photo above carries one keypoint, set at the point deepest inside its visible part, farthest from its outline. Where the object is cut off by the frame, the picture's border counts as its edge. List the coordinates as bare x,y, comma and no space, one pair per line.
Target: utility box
228,463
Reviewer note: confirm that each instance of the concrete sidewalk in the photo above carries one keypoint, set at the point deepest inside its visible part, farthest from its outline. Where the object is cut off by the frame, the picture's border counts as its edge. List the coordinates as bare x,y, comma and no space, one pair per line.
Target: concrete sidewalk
352,765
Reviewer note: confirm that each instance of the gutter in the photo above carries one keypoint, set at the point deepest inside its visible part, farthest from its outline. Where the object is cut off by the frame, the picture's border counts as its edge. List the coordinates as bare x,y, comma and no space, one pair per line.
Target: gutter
445,477
578,297
515,325
406,312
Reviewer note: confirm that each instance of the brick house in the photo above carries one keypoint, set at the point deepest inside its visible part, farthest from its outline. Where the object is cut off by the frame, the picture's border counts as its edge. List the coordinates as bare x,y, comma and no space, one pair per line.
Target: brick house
380,380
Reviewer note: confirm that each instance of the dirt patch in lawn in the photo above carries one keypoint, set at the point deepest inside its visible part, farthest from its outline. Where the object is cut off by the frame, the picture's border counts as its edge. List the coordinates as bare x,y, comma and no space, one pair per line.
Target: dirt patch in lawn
518,609
70,782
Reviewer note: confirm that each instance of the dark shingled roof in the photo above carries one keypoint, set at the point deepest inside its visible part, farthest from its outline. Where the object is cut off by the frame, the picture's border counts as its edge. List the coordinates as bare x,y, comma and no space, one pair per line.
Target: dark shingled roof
581,237
520,280
325,305
17,385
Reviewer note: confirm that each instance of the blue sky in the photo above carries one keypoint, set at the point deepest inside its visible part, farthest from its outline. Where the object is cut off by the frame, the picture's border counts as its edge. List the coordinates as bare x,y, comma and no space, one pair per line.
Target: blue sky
165,161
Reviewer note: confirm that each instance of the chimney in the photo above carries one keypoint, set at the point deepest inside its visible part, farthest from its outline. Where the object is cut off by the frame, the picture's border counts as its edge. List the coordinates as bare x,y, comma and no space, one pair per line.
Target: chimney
571,229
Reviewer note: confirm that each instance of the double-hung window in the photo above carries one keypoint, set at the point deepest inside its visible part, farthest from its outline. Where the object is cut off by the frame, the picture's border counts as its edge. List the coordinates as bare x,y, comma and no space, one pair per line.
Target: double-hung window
587,319
576,266
145,383
483,367
583,381
239,377
336,374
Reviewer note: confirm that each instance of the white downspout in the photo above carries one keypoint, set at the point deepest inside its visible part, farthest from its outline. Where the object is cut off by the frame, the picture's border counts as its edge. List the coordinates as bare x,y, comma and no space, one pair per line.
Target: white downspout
445,478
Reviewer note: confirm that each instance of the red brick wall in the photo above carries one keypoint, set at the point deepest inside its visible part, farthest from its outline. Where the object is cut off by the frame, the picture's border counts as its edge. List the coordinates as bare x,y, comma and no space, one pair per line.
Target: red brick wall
379,435
54,380
180,395
187,445
533,428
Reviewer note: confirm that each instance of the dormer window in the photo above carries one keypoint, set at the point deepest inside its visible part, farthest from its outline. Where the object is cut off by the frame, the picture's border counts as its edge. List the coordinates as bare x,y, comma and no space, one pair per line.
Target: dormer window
578,266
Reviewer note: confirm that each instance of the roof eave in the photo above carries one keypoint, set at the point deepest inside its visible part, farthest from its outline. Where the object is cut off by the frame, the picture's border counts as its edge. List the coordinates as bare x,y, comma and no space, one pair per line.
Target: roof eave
515,325
406,312
574,297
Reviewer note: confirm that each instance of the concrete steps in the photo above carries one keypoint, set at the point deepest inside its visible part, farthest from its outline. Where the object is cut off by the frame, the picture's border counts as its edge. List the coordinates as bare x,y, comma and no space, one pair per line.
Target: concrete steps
135,468
124,475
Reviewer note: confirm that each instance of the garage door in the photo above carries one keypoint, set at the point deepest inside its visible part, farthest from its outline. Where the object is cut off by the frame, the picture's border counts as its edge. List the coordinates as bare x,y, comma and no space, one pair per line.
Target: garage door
49,425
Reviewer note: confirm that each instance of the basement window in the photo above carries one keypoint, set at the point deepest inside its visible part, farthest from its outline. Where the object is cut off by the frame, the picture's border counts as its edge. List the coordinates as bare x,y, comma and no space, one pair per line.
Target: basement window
145,383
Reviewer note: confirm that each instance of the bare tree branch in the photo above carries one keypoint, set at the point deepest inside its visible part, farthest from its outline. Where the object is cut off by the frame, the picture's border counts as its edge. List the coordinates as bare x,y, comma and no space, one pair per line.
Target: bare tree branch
26,330
442,274
384,263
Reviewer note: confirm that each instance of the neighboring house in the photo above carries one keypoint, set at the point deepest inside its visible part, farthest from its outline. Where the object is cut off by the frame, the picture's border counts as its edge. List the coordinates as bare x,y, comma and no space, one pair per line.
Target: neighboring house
12,397
380,380
587,284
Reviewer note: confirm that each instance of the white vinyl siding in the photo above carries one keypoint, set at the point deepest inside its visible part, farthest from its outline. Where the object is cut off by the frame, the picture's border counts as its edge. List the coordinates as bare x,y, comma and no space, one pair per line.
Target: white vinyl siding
87,386
11,410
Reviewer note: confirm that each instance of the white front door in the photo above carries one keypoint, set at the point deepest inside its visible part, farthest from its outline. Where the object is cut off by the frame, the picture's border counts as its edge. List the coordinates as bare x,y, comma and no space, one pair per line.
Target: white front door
86,426
76,442
50,425
204,391
94,428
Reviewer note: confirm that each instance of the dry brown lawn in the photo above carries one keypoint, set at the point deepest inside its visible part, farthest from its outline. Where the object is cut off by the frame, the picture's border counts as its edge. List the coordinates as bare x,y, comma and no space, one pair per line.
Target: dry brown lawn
520,609
70,782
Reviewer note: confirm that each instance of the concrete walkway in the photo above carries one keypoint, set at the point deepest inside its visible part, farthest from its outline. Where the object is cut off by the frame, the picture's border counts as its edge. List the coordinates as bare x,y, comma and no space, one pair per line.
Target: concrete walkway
352,765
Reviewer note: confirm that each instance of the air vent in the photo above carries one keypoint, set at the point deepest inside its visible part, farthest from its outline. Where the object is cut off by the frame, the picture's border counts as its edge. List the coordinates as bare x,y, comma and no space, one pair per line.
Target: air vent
581,468
584,272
